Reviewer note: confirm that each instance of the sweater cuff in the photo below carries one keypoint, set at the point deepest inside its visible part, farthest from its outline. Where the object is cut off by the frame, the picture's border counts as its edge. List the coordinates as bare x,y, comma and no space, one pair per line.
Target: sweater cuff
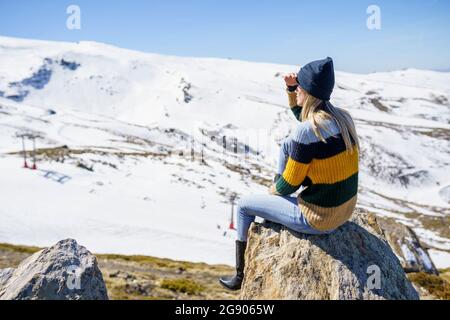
292,88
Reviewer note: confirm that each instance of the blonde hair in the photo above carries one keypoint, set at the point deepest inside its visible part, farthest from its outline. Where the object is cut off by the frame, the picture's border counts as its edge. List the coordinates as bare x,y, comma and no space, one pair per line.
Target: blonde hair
317,117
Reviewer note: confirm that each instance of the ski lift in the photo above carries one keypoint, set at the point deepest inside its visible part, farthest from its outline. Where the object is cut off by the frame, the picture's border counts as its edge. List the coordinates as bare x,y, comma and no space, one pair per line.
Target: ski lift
32,137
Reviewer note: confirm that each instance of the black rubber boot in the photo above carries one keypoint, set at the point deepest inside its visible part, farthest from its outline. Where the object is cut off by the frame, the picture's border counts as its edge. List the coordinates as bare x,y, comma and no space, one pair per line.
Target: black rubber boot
234,283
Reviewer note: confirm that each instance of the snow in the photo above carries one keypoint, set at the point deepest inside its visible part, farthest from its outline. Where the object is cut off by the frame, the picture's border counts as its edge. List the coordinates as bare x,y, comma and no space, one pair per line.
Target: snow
129,114
428,264
441,259
105,216
407,253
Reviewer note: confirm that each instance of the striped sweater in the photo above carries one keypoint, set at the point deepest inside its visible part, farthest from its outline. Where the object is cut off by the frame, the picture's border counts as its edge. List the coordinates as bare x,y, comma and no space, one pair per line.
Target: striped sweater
328,173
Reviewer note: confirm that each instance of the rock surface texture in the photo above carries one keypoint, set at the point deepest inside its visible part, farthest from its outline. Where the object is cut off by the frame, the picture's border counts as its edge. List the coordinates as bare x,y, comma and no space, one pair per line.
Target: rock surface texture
65,271
355,262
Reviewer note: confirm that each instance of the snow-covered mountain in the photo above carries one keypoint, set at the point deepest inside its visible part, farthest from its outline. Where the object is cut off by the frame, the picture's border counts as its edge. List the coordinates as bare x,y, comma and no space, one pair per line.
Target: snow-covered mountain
140,153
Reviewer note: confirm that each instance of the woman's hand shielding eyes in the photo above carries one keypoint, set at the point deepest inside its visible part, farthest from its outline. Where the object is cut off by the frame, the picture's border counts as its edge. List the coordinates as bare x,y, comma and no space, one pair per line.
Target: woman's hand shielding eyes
291,80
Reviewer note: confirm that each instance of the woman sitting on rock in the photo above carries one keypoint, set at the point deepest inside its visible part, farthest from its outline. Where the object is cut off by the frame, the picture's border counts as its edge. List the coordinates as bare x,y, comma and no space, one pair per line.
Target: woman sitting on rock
321,155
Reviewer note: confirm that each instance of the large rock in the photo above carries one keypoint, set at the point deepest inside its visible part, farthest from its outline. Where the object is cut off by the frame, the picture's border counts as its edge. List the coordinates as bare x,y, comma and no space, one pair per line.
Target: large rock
66,271
406,245
283,264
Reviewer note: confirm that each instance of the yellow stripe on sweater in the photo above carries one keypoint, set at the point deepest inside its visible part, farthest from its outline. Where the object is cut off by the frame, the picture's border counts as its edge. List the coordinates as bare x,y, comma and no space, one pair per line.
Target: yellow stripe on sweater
333,169
295,172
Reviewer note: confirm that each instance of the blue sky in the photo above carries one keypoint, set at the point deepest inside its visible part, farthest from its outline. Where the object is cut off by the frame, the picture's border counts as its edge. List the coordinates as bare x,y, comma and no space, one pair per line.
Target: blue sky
414,33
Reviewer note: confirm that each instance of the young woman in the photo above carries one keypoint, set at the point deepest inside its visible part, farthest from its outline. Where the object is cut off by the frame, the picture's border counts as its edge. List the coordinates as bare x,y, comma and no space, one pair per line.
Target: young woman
321,156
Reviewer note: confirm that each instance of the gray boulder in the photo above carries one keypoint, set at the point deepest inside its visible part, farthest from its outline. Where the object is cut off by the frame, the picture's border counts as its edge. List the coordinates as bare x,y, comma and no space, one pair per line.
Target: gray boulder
66,271
355,262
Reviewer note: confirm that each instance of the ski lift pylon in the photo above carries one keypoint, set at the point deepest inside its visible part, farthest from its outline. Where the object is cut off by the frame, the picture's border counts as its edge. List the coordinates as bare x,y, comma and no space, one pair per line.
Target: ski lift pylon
231,226
32,137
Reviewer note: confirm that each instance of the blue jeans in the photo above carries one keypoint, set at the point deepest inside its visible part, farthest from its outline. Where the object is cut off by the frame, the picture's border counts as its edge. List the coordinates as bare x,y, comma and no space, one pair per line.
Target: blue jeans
282,210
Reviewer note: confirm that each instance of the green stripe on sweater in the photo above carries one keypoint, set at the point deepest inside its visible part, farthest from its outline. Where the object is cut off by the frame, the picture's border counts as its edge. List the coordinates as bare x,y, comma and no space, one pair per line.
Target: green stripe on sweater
284,188
331,195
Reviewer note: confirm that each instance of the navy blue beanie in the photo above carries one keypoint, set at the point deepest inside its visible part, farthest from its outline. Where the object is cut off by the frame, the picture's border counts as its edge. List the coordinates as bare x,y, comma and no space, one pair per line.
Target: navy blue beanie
317,78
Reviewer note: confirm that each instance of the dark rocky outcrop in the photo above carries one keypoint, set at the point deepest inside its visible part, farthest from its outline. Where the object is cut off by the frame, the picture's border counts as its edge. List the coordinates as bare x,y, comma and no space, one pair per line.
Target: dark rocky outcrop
406,245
